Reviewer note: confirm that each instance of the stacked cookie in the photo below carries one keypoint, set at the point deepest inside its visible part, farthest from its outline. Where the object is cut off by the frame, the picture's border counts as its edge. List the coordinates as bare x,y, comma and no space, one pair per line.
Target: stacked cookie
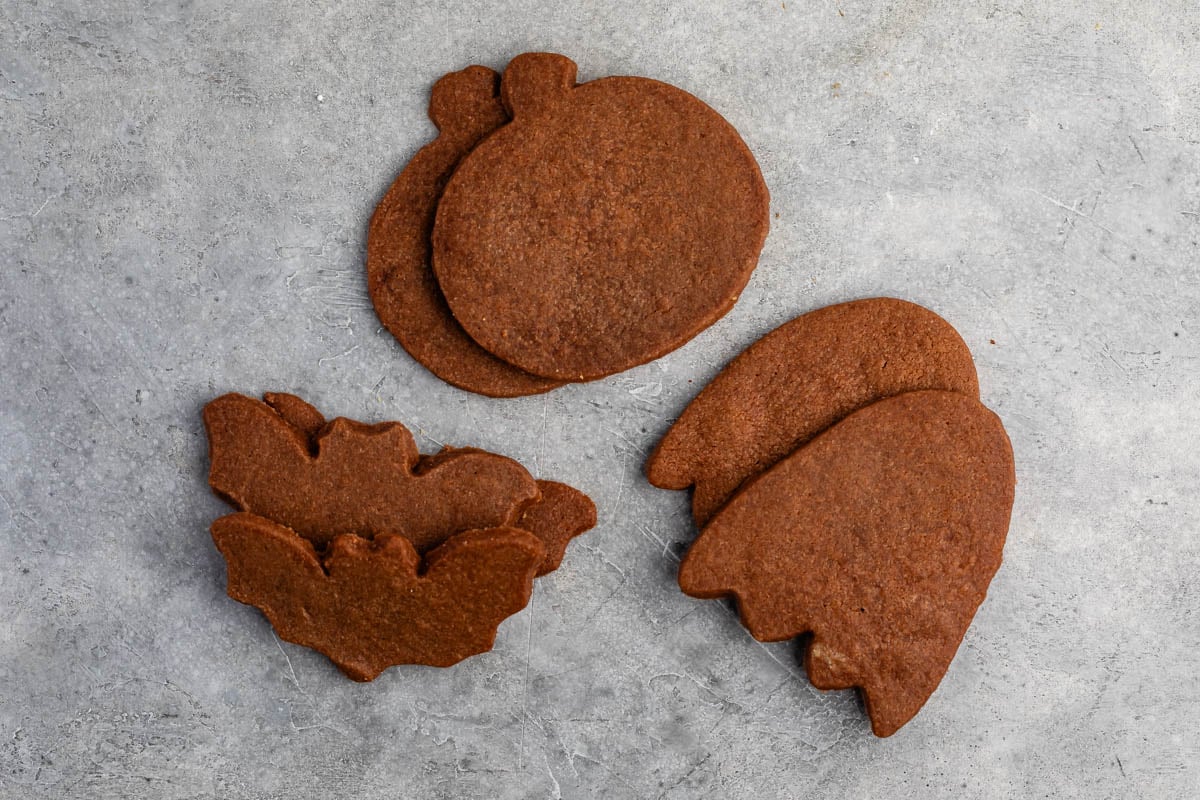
848,484
355,545
556,232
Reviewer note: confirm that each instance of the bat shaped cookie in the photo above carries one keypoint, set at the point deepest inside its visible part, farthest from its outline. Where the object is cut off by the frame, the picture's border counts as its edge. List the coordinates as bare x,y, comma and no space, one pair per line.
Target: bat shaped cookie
354,544
367,604
280,459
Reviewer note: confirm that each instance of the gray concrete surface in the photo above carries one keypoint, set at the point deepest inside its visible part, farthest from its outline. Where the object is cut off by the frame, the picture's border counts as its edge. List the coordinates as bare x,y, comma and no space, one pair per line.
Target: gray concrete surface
184,191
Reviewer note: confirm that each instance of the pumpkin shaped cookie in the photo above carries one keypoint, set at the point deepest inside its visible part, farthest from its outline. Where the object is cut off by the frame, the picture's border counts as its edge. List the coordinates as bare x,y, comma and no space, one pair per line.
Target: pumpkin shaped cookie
606,225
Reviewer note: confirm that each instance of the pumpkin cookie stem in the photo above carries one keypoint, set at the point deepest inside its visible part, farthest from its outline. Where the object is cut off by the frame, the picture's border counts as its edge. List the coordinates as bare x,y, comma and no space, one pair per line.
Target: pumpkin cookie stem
533,82
463,103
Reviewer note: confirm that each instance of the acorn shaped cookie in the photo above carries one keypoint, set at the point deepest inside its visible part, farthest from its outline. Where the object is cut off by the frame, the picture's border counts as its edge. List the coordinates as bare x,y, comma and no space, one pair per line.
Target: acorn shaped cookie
879,537
606,225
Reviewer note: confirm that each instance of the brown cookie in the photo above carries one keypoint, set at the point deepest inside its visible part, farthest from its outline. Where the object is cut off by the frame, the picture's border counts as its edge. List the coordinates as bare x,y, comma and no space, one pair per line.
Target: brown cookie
798,380
880,537
606,225
258,466
561,514
355,478
466,107
367,604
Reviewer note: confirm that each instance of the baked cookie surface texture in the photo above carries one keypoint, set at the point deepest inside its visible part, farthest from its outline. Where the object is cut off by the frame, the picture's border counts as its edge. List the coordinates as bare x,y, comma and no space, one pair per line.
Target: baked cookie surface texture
848,484
798,380
354,544
606,225
465,107
880,537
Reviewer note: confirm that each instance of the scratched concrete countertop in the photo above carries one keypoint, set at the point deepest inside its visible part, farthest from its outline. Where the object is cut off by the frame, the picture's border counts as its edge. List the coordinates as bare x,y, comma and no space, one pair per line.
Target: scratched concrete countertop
184,192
